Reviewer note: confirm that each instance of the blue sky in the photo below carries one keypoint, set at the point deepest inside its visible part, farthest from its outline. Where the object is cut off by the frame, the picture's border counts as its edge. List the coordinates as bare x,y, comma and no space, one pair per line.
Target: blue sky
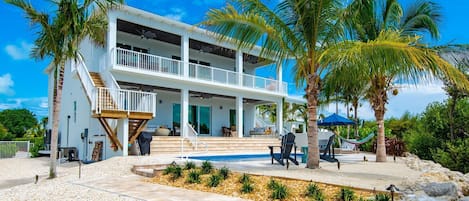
23,83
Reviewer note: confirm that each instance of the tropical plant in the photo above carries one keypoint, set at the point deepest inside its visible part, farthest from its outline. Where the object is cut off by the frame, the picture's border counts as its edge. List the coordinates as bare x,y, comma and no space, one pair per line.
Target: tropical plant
176,173
454,155
244,178
207,167
214,180
314,192
384,46
58,38
272,184
4,134
17,121
193,177
298,30
246,187
189,165
345,194
457,55
382,197
279,192
224,172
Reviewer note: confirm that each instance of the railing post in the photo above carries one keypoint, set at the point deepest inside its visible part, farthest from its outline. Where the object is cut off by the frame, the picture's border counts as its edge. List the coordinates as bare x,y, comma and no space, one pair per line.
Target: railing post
127,103
211,74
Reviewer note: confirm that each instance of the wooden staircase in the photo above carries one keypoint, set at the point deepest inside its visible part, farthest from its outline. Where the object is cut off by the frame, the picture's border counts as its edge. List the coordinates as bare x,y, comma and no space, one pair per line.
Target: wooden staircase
137,120
172,145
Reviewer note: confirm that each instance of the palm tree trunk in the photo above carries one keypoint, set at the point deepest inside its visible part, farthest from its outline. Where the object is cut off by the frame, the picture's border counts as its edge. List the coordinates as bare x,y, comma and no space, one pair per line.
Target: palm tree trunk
55,123
312,92
381,145
355,114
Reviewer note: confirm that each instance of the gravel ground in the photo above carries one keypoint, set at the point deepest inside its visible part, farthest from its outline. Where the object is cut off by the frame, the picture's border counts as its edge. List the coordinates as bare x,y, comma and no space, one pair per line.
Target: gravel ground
17,178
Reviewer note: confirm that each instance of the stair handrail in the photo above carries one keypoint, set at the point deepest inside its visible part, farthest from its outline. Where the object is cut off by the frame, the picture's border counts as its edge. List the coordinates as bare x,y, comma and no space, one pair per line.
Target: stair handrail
85,78
192,136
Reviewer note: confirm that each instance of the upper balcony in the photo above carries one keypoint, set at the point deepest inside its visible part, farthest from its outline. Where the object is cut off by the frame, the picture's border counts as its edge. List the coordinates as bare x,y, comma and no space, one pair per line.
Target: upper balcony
163,66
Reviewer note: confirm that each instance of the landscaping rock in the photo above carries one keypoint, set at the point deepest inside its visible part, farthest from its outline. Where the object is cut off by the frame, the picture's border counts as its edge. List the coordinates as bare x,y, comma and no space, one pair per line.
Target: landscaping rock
435,189
464,198
433,173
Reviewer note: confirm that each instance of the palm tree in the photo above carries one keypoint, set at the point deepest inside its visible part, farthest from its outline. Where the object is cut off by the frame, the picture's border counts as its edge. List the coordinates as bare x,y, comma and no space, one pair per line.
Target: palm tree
294,29
59,37
351,89
384,47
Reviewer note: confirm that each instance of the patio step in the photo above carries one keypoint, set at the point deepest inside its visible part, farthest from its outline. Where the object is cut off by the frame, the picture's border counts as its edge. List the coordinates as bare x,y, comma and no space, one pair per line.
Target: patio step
172,145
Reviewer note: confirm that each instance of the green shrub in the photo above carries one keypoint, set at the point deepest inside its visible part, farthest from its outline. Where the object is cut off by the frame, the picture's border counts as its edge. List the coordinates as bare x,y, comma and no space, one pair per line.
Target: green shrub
346,194
8,150
244,178
176,172
224,172
382,197
272,184
214,180
193,177
207,167
247,187
421,144
314,192
189,165
455,156
38,144
170,169
279,192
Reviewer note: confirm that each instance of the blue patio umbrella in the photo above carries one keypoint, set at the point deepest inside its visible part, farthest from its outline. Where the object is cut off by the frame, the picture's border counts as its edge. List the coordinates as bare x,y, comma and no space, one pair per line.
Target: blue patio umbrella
335,120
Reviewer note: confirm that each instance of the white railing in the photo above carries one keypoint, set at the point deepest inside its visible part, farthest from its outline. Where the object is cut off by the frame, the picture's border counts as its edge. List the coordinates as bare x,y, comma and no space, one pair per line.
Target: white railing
148,62
85,77
256,82
14,149
126,100
192,136
153,63
212,74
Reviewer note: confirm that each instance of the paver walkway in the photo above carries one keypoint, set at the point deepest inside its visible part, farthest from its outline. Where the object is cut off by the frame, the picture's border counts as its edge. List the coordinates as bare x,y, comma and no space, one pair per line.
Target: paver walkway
133,186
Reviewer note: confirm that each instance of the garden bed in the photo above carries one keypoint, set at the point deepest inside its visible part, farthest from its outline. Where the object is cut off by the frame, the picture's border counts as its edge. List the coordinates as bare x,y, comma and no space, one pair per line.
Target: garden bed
231,186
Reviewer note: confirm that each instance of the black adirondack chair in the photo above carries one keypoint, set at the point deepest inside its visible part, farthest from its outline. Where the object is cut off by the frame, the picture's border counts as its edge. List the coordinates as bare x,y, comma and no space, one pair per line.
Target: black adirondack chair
288,143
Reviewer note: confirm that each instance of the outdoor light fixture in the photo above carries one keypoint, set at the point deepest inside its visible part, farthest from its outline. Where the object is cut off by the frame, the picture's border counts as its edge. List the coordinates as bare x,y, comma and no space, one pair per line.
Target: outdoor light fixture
221,107
392,188
160,101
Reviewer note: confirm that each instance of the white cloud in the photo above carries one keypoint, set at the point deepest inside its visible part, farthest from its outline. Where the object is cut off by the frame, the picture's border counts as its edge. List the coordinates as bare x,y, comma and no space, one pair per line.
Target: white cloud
176,14
19,52
37,105
6,84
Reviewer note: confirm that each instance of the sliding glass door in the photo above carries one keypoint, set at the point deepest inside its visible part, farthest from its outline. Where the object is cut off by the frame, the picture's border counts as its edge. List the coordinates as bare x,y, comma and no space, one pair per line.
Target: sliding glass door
199,117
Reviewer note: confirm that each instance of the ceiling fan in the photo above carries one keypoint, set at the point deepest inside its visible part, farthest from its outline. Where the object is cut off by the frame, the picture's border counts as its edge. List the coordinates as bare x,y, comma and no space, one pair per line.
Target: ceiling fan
201,95
146,34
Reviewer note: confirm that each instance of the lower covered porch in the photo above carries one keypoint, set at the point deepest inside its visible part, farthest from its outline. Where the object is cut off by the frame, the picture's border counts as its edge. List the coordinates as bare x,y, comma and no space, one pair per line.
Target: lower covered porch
208,114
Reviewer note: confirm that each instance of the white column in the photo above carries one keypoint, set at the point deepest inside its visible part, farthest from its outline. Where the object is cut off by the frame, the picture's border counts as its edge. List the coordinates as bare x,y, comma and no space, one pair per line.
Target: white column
111,39
123,134
185,54
280,77
239,66
184,112
239,116
280,117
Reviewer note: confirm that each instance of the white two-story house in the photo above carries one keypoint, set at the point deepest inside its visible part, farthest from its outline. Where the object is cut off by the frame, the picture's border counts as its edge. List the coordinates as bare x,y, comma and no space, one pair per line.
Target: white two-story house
156,72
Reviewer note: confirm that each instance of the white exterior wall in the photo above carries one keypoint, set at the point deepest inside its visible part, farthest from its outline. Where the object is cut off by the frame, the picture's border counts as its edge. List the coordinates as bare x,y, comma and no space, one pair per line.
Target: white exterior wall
79,118
219,108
